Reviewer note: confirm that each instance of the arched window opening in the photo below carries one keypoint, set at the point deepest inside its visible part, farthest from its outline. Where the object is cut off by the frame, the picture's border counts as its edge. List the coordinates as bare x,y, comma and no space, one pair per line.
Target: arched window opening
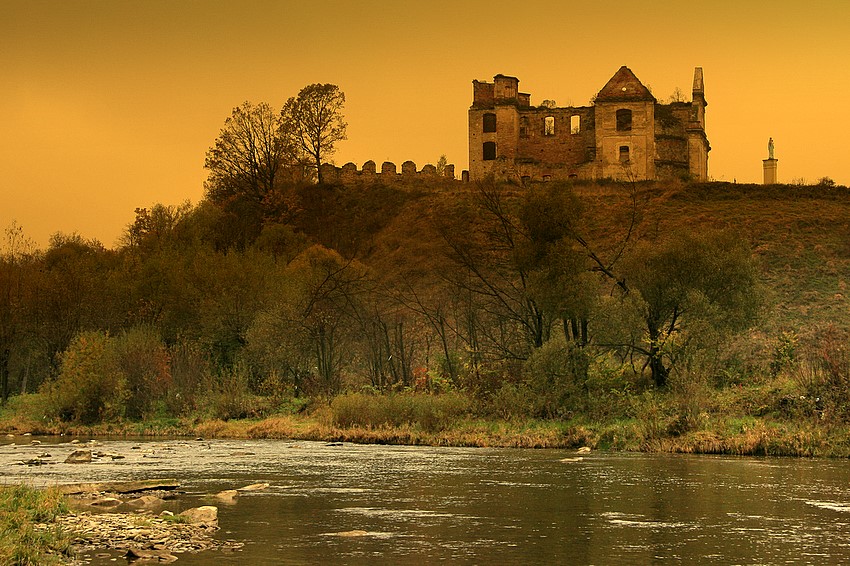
489,151
624,154
575,124
489,123
549,126
624,120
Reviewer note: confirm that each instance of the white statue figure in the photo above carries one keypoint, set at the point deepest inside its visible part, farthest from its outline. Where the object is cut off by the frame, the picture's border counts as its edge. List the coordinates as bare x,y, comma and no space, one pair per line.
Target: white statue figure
770,148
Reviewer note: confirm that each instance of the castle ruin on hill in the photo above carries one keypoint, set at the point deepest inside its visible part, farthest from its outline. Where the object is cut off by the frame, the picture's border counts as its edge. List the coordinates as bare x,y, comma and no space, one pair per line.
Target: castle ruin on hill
625,133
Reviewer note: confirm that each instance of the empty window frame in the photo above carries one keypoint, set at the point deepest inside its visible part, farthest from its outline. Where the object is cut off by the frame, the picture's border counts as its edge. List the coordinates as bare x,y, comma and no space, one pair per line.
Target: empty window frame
624,154
489,123
523,127
575,124
489,151
624,120
549,126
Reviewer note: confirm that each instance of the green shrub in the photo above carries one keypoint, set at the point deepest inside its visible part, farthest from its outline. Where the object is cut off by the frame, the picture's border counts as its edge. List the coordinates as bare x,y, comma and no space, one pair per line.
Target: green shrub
784,352
824,374
144,360
557,374
90,386
511,401
230,396
189,377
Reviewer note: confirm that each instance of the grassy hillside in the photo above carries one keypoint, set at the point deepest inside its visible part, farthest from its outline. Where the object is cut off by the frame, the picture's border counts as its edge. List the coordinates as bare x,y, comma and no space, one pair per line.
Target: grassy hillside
800,235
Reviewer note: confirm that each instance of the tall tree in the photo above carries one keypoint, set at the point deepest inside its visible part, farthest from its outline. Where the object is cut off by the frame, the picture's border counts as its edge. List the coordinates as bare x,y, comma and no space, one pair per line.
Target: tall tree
251,156
683,286
315,116
254,157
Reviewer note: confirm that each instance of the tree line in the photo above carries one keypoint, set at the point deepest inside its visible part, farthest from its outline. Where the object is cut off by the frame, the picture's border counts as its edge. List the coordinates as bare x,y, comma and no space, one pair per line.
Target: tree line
278,285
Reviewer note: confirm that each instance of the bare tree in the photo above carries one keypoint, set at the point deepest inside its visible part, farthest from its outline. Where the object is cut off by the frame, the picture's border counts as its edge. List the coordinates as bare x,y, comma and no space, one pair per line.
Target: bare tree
251,154
315,116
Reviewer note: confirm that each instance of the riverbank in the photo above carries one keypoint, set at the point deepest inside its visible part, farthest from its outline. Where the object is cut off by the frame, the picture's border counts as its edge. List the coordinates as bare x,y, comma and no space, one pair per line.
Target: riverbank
655,429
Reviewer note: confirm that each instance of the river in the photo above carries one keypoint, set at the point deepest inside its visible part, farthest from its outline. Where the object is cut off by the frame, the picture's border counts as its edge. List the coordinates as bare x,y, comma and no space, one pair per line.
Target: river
425,505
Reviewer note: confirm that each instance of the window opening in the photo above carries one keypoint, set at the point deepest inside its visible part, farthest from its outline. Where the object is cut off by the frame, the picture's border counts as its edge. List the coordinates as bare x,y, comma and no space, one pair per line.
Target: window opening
549,126
523,127
624,154
575,124
489,123
624,120
489,151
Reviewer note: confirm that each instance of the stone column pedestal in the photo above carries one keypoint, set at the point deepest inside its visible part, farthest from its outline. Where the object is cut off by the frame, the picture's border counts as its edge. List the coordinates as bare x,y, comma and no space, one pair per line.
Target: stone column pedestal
770,177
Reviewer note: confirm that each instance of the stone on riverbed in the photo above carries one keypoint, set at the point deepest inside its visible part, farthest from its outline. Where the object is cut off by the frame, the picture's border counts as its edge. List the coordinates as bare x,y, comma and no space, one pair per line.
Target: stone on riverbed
105,502
205,515
227,496
125,531
149,555
119,486
79,457
146,501
254,487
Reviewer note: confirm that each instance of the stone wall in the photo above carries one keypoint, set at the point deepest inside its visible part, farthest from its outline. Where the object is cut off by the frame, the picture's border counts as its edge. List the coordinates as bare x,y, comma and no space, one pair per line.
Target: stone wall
349,174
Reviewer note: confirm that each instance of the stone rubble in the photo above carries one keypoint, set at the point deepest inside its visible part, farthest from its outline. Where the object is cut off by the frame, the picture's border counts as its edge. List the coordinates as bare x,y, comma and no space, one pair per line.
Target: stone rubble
141,535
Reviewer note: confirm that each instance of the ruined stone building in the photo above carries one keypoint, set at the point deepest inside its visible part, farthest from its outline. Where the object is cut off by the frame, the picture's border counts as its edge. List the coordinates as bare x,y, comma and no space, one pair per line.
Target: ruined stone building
625,133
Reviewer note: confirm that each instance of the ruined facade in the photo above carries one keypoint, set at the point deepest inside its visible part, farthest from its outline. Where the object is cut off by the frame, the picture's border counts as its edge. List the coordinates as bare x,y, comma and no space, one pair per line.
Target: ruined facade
625,133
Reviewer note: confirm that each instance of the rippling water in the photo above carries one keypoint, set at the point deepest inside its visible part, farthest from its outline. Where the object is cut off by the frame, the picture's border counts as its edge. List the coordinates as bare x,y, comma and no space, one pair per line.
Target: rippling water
366,504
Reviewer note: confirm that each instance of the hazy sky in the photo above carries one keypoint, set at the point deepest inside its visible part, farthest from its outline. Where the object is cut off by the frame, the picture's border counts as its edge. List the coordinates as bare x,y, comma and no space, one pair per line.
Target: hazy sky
111,105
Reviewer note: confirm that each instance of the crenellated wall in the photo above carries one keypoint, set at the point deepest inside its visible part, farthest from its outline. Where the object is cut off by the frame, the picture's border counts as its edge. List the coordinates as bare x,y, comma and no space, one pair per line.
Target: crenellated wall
349,174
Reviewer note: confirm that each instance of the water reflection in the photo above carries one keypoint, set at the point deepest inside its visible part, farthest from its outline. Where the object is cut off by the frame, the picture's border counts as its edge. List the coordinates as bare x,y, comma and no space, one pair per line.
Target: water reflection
356,504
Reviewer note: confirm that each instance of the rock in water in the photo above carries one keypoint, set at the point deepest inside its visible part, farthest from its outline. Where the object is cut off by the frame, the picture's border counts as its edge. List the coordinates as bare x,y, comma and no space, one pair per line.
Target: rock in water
149,555
146,501
105,502
227,496
79,457
206,515
355,533
254,487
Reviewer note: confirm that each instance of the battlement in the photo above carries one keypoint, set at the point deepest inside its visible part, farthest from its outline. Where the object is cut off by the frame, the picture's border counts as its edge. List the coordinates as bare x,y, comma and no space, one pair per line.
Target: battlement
349,174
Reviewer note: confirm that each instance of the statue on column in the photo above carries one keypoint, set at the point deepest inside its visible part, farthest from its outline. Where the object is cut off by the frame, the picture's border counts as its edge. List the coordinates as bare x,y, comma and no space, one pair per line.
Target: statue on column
770,148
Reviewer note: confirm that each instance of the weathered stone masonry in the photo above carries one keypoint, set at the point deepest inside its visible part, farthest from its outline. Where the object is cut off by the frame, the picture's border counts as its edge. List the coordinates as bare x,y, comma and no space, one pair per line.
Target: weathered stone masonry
625,133
348,174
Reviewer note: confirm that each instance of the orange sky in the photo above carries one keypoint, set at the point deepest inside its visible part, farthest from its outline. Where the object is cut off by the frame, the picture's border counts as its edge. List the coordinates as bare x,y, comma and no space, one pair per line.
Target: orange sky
111,105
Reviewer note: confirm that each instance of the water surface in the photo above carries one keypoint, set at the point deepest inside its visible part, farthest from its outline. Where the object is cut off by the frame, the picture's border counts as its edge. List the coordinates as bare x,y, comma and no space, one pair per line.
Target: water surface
416,505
